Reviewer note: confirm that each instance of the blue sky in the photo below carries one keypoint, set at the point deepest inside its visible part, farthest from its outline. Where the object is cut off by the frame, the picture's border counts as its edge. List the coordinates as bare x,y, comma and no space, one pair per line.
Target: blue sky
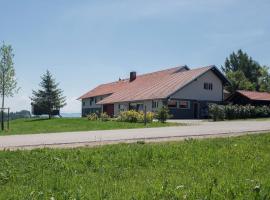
86,43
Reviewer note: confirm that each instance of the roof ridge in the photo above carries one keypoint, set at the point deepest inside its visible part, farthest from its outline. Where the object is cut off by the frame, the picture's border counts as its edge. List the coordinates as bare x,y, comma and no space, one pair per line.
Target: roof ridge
163,70
146,74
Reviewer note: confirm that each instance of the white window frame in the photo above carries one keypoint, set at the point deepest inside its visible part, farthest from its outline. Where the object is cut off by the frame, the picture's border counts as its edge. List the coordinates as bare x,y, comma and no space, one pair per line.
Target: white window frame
154,104
121,107
176,106
188,104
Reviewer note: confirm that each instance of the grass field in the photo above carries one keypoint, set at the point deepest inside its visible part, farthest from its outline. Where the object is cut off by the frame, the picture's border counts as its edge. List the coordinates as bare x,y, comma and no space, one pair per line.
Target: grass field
31,126
228,168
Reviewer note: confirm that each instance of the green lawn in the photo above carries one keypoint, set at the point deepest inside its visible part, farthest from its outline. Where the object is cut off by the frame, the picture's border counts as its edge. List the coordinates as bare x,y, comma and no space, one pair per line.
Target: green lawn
31,126
227,168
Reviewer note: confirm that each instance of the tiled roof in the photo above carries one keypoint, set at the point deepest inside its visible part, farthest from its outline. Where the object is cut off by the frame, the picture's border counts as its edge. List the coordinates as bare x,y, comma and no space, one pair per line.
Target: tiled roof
156,85
104,89
253,95
110,88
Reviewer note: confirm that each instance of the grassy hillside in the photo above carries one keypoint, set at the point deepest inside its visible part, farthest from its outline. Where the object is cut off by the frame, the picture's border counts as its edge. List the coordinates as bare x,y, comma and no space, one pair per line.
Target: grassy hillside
29,126
230,168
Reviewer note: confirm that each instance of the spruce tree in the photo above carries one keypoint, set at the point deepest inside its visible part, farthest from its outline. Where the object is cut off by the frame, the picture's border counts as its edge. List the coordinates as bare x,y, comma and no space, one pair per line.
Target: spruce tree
49,97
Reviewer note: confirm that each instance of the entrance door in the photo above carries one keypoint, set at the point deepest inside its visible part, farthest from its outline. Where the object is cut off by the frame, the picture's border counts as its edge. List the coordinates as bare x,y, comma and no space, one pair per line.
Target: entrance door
196,110
109,109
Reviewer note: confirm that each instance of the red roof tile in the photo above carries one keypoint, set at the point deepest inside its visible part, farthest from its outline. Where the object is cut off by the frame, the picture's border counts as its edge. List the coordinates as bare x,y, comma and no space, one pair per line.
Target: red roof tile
253,95
156,85
110,88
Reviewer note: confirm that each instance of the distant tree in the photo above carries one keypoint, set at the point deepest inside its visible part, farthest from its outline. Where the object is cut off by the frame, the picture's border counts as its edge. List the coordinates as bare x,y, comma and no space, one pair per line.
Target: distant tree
8,82
264,79
244,73
49,97
238,81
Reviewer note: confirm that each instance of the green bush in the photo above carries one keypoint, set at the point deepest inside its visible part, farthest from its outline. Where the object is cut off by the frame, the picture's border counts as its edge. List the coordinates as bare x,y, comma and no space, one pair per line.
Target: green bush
217,112
221,112
129,116
92,117
104,117
134,116
163,114
150,117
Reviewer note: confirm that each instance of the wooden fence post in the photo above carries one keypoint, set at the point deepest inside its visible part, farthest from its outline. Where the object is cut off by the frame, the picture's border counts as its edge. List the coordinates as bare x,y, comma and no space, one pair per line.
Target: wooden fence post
145,115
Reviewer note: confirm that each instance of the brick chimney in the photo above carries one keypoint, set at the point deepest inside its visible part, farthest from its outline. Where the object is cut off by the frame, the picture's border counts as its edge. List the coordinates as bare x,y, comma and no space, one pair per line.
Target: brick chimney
132,76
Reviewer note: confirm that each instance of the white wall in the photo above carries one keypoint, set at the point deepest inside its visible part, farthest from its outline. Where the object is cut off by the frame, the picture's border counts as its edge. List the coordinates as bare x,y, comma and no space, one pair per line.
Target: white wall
196,91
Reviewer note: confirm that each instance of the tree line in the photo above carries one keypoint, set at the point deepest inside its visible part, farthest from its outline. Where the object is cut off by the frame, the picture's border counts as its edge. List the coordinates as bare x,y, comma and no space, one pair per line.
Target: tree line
244,73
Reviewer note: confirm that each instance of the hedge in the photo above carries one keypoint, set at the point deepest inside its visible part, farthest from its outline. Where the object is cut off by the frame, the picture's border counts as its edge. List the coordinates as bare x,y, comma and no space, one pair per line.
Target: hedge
222,112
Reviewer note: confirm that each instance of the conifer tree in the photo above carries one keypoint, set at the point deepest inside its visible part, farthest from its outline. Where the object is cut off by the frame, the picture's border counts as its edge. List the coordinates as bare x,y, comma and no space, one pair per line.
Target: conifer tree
49,97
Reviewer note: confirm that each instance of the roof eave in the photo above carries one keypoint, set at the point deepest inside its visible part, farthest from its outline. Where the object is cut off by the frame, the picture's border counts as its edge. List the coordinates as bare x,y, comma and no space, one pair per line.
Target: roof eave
125,101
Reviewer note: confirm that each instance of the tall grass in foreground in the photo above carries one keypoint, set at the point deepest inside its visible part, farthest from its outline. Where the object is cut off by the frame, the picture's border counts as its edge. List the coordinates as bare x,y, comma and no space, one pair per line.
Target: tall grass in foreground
229,168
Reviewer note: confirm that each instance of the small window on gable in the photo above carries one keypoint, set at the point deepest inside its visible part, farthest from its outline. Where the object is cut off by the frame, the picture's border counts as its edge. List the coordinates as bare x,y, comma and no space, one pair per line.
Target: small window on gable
208,86
172,104
184,104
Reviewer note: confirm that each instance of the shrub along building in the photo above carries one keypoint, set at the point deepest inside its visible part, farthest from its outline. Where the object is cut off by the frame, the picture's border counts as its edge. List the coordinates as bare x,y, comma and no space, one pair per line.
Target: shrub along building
186,92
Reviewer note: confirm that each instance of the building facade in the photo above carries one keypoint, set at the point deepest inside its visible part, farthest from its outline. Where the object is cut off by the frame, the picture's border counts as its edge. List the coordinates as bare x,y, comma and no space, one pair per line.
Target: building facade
185,92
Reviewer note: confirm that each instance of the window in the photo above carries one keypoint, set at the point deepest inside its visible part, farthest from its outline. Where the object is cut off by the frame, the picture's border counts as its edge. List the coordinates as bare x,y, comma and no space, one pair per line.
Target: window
154,104
184,104
83,103
91,101
208,86
172,104
139,107
121,107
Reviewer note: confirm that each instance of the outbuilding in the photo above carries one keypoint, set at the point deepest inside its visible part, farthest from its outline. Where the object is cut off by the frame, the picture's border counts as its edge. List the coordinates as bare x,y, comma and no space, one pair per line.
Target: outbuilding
244,97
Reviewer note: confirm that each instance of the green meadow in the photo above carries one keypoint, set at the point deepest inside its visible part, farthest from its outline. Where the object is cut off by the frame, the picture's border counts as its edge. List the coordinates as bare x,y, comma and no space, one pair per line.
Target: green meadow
224,168
44,125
